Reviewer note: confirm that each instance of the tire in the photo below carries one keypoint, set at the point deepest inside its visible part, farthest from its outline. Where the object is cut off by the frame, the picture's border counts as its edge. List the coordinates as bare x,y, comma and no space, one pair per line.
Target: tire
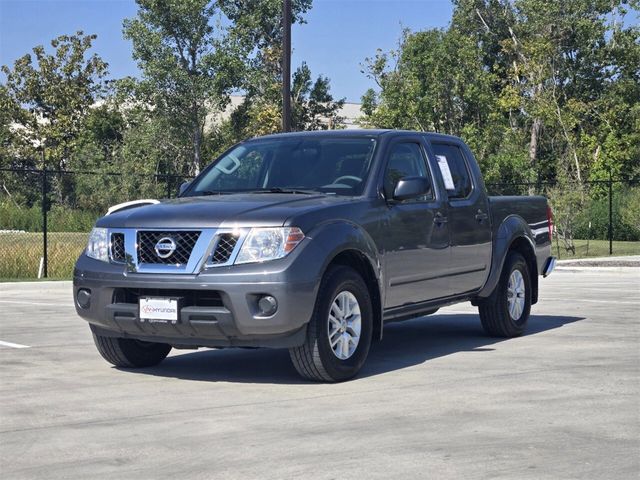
317,359
130,353
498,320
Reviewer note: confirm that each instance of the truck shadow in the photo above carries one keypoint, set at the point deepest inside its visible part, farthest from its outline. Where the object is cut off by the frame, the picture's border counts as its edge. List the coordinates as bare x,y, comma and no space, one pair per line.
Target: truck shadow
405,344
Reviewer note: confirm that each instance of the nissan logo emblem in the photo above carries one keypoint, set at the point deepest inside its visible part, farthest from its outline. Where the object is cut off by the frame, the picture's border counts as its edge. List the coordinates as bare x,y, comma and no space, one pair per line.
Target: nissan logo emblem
165,247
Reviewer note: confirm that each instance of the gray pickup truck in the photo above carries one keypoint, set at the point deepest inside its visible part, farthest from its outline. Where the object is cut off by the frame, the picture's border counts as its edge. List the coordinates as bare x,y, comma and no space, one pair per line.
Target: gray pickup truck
312,242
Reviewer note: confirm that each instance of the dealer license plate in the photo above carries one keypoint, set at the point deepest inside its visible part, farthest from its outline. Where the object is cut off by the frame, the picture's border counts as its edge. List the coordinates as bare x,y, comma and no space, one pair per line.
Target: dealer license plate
156,309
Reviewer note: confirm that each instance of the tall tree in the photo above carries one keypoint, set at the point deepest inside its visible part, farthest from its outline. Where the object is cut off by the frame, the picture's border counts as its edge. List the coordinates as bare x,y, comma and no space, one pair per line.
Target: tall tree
313,106
47,98
528,77
435,81
189,66
256,25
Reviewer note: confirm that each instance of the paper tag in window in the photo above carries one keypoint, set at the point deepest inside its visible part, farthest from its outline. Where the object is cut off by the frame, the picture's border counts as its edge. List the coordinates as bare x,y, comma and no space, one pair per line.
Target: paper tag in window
446,173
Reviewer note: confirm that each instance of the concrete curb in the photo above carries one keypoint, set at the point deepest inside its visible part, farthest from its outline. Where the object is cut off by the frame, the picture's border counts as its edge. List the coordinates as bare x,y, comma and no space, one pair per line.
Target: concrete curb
625,262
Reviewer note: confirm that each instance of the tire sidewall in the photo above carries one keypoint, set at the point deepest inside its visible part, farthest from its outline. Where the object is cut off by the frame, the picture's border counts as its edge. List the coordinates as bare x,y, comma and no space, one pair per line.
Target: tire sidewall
344,279
143,354
516,262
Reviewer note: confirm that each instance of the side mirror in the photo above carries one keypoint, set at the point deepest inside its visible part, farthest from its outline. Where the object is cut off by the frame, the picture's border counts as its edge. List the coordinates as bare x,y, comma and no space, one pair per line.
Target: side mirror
411,187
184,187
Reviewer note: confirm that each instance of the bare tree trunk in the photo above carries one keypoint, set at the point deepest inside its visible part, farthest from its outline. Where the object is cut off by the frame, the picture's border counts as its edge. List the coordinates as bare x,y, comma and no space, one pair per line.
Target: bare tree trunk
197,146
533,146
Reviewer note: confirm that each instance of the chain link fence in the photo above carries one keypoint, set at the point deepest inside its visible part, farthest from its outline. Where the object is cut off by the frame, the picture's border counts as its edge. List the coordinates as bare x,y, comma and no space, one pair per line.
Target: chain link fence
45,216
591,219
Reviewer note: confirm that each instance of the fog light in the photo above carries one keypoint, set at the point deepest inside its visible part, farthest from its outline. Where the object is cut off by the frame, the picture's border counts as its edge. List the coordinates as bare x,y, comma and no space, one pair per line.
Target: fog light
84,298
267,305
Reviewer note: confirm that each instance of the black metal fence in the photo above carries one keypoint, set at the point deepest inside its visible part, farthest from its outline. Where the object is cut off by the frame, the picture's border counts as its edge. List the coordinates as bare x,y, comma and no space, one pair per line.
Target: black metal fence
588,213
45,215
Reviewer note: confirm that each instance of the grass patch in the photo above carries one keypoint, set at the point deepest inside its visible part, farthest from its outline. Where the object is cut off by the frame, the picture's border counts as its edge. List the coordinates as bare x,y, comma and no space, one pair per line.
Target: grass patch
595,248
20,254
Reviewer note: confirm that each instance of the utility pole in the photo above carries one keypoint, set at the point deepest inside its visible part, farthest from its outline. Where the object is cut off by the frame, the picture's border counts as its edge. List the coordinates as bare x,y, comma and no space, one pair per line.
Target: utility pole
286,66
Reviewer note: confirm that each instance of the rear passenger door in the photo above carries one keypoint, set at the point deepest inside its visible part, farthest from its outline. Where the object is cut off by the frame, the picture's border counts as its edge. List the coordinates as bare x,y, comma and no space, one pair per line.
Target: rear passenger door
468,215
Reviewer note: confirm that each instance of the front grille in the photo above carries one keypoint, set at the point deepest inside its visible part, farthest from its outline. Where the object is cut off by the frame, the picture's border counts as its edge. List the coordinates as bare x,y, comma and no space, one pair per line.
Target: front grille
224,248
117,247
184,243
189,298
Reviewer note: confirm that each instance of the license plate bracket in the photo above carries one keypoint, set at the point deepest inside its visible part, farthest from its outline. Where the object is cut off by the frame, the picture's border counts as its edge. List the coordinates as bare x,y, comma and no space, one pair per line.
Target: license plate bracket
159,309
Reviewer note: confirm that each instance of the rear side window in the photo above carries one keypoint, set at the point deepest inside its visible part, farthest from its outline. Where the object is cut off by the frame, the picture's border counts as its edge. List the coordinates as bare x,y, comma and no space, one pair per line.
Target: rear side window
454,170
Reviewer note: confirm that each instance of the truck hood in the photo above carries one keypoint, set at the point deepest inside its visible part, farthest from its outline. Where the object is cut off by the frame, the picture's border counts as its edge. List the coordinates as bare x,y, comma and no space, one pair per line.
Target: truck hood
233,210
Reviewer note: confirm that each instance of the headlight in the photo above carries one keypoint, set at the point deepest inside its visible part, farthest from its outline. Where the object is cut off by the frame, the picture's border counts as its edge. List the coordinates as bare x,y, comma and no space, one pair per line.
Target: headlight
98,246
262,244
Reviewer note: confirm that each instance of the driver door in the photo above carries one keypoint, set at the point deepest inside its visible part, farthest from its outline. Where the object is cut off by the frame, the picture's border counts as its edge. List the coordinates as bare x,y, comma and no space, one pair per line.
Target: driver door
417,239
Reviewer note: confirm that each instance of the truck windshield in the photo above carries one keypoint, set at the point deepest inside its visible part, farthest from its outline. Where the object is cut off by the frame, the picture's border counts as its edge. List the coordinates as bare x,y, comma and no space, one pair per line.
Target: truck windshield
290,165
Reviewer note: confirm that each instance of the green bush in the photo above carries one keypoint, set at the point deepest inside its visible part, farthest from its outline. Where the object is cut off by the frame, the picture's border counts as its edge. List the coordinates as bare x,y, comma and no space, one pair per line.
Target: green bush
59,219
13,217
625,218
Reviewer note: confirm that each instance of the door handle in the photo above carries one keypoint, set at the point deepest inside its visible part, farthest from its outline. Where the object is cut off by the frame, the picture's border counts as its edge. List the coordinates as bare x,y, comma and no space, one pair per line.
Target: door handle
481,216
439,219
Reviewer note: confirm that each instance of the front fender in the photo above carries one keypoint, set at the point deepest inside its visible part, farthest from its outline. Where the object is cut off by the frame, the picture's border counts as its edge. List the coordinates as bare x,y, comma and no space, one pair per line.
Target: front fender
512,228
336,237
328,240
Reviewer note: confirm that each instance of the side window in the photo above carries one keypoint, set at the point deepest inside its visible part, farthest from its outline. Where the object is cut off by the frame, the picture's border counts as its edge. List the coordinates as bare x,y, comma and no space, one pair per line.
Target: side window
405,160
454,170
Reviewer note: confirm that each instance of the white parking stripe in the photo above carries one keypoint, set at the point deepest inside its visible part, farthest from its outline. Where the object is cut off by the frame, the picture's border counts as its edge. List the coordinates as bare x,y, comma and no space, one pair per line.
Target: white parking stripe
617,302
15,302
12,345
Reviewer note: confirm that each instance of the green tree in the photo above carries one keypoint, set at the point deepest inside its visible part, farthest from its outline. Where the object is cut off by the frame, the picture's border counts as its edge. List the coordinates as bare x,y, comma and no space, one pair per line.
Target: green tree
435,81
256,25
555,80
313,106
189,67
46,100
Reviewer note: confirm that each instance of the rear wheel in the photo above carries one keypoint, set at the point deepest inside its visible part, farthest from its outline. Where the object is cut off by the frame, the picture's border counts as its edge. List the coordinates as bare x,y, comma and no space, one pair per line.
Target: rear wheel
130,353
505,313
339,333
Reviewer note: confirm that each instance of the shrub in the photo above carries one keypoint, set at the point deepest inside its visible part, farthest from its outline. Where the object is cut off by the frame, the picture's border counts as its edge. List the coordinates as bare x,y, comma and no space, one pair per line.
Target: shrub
59,219
625,218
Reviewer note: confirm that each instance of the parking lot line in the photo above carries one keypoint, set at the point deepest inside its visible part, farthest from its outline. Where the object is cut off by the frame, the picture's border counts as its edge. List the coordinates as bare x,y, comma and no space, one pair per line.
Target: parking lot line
591,300
17,302
12,345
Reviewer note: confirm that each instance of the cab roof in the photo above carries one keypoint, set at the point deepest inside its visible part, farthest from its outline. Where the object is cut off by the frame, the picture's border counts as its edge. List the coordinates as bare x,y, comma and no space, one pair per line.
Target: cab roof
359,132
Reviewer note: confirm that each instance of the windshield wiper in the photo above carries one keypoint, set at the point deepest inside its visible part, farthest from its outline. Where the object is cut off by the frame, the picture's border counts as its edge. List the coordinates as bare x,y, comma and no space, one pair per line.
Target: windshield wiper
301,191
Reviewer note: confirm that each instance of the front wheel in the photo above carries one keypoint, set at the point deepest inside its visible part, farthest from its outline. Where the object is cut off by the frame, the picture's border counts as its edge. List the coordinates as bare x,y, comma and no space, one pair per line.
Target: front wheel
340,329
130,353
506,311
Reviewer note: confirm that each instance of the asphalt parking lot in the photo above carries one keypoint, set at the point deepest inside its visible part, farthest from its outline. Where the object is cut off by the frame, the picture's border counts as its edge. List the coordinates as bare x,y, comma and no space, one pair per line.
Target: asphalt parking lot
437,398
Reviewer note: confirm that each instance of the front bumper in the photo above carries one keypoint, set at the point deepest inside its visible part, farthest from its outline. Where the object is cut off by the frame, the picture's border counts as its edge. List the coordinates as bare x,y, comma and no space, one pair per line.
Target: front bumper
230,319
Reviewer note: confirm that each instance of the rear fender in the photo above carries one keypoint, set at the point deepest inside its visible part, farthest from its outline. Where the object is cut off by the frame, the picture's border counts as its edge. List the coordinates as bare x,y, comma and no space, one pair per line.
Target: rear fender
510,231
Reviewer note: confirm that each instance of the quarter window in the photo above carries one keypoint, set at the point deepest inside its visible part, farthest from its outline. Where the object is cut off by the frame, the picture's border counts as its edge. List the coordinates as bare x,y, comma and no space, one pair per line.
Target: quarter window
454,170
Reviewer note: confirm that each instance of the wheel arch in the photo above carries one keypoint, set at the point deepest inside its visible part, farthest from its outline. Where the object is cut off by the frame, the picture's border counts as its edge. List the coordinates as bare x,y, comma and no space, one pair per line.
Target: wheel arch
358,261
348,244
514,234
